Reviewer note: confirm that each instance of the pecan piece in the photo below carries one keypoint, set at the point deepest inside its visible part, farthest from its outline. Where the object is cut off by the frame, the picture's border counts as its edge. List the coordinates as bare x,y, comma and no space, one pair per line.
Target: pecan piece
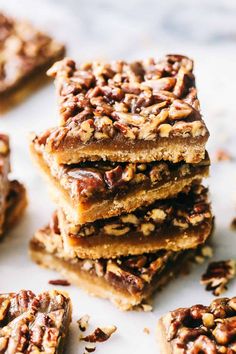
217,276
114,177
100,334
165,83
129,118
147,228
86,180
61,282
83,323
179,110
116,229
86,130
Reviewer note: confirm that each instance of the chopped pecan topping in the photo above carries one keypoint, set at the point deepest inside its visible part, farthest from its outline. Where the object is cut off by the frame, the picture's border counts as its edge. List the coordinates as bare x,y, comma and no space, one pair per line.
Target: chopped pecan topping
100,334
138,104
217,276
203,329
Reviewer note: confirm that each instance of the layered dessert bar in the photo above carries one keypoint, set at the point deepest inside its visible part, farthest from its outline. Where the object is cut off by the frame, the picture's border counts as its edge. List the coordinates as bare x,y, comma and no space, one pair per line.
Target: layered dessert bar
174,224
32,323
125,281
138,112
4,171
88,191
199,329
25,55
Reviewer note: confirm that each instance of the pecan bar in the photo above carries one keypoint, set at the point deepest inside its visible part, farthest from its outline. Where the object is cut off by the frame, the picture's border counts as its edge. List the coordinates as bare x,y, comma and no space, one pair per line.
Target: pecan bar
32,323
174,224
138,112
88,191
4,171
200,329
25,55
125,281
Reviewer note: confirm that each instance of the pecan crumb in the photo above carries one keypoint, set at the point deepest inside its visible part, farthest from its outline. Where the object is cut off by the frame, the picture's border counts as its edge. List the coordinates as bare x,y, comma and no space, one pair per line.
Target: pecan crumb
146,330
222,155
217,276
205,252
89,349
233,224
143,308
61,282
83,323
100,334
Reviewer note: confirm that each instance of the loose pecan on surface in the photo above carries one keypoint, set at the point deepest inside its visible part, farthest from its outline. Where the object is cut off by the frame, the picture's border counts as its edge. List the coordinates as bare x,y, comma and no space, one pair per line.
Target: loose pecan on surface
218,275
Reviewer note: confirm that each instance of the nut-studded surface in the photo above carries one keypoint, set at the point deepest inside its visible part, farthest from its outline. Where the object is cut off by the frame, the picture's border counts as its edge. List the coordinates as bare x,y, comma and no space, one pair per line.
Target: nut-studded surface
175,224
4,171
34,324
23,51
200,329
124,104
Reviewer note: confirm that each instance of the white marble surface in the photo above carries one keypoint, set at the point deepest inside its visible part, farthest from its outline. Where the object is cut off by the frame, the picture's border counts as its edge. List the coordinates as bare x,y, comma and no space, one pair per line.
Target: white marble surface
205,30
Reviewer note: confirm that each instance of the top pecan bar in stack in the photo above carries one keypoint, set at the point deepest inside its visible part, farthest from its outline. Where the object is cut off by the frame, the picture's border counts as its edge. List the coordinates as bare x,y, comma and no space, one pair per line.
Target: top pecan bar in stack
140,112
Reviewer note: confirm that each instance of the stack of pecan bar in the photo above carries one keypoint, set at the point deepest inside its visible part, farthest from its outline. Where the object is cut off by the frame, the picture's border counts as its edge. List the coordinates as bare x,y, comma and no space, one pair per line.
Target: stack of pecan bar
124,167
12,193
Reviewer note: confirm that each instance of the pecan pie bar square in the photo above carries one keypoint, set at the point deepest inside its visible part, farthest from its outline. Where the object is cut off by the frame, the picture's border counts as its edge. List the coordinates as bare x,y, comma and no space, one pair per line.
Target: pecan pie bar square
125,281
199,329
32,323
88,191
4,171
174,224
25,55
141,111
